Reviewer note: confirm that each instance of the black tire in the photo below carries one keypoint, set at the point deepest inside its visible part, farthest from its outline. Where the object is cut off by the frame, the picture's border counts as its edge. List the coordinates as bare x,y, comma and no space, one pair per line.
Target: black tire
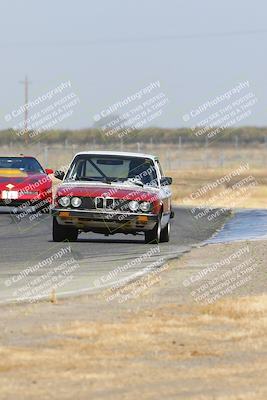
153,236
165,233
63,233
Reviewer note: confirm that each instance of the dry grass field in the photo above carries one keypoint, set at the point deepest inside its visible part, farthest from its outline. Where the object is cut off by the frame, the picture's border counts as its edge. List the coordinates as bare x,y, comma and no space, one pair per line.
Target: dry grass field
251,193
172,351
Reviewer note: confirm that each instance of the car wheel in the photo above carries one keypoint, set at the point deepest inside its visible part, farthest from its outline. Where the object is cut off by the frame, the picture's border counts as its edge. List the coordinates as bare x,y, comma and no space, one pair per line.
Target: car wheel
153,236
165,233
62,233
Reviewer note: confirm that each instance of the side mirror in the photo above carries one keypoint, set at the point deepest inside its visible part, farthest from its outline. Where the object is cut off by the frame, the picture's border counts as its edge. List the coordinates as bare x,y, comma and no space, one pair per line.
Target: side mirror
49,171
59,175
167,180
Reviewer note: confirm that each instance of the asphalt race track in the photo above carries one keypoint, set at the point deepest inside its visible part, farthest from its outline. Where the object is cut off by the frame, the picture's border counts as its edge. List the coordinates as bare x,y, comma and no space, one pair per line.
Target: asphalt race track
29,257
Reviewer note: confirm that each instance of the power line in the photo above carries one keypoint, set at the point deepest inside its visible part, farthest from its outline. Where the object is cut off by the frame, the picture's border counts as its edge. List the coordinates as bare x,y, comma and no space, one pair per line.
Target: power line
143,39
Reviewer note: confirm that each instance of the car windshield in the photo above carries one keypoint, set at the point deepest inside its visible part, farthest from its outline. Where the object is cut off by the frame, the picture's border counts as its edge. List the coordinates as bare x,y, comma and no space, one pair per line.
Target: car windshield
27,164
105,168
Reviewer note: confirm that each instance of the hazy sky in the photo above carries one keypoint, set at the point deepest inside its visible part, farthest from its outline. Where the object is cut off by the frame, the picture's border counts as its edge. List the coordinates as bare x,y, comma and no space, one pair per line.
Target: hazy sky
110,49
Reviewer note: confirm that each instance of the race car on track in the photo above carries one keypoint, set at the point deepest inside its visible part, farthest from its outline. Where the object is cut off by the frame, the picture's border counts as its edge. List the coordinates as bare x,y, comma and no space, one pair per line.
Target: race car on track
113,192
23,182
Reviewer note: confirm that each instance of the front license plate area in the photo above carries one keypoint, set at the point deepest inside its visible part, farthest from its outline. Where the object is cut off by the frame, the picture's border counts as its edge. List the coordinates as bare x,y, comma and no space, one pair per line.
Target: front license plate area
10,195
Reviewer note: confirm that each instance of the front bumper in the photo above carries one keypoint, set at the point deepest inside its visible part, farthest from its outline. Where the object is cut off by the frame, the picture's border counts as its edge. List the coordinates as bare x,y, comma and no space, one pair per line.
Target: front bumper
106,222
24,202
44,197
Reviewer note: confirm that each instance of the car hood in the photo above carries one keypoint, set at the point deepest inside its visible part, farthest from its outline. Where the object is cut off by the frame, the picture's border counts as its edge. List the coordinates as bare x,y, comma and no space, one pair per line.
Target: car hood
114,190
21,179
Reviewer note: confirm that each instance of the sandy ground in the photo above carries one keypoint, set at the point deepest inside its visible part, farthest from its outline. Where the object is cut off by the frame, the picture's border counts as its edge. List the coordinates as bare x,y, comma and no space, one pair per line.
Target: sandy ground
194,330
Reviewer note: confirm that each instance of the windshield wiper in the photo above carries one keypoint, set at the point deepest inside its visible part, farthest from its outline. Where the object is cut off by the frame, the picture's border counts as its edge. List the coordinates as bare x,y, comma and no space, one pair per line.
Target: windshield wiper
135,181
85,178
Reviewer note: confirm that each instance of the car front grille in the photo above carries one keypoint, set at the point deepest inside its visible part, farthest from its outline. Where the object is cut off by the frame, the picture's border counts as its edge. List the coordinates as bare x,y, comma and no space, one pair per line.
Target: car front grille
101,203
88,203
111,204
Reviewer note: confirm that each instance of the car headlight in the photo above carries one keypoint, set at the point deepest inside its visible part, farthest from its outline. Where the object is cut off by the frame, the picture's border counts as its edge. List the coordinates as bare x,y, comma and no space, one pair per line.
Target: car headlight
64,201
145,206
76,202
133,205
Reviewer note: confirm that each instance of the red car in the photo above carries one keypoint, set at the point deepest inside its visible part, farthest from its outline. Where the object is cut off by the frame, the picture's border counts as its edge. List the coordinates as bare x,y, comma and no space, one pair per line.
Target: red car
113,192
24,182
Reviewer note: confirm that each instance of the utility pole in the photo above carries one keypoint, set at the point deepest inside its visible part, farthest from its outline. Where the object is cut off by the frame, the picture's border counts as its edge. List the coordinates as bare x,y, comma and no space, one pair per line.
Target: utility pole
26,114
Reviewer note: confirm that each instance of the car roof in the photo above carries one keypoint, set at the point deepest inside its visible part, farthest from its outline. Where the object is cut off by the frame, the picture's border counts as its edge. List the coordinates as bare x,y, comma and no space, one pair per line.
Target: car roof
117,153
